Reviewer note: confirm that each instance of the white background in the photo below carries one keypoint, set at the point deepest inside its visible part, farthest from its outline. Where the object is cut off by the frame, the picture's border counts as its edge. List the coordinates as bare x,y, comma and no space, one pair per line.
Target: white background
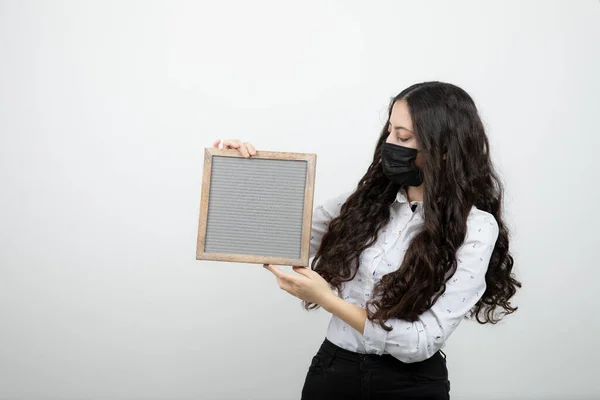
106,108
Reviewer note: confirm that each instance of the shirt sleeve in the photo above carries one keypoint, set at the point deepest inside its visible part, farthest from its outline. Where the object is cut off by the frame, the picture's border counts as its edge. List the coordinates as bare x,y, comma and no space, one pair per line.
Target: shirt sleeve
419,340
322,216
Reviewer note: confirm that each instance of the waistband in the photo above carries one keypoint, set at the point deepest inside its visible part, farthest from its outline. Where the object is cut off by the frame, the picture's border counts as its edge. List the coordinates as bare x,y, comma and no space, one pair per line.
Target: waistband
434,366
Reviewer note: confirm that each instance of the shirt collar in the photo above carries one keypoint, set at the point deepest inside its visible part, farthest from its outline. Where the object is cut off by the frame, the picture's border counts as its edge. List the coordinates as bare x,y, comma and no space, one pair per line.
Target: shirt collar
401,197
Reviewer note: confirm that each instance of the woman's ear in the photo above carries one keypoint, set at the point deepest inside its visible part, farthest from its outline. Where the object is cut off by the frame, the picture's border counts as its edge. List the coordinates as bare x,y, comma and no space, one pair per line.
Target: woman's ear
444,156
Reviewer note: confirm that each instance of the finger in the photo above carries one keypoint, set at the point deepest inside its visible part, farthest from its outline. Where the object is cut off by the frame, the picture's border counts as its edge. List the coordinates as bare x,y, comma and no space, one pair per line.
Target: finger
244,150
236,144
250,148
231,144
276,271
302,271
216,143
291,281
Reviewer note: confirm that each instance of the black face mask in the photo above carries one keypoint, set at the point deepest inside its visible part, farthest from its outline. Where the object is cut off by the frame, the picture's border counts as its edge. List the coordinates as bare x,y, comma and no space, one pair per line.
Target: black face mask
399,164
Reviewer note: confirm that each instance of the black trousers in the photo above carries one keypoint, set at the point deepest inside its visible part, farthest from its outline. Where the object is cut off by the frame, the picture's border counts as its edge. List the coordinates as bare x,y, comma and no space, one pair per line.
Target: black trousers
337,373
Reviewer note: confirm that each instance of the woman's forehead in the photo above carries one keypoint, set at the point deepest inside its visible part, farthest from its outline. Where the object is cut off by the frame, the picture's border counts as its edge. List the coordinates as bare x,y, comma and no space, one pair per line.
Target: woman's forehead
400,116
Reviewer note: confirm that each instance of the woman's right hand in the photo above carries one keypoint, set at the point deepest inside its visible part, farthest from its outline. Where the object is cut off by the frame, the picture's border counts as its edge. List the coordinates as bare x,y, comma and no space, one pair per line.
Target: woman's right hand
245,148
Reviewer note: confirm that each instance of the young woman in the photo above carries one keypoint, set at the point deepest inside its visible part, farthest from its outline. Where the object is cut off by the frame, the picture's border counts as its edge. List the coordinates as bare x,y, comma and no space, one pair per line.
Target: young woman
401,260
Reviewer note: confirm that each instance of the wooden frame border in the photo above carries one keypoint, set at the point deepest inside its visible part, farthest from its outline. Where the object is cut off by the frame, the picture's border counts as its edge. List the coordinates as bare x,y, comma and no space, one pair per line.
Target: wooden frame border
311,160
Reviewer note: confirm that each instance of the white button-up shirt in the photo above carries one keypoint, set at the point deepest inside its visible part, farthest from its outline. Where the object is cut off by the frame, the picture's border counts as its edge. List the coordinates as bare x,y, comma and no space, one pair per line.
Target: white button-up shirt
419,340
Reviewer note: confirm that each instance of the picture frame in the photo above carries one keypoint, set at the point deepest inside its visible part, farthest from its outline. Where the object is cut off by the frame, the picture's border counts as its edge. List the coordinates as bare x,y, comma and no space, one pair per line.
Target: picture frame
257,209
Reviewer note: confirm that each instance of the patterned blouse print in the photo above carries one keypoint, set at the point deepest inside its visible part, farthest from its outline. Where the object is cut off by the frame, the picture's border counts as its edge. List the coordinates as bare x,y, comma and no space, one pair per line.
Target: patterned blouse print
419,340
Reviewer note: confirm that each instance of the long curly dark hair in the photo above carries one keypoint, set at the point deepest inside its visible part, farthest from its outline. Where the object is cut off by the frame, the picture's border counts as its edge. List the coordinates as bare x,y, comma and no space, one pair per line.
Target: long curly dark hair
458,173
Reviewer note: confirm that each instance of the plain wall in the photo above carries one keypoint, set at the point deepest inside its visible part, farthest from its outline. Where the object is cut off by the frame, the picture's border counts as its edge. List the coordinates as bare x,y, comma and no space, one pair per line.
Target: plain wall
106,108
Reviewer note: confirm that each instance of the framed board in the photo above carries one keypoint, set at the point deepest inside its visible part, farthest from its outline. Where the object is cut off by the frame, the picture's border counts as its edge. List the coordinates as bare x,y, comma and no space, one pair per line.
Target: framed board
258,209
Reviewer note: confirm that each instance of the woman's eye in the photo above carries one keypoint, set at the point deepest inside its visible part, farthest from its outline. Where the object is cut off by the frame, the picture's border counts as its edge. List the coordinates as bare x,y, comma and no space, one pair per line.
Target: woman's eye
403,139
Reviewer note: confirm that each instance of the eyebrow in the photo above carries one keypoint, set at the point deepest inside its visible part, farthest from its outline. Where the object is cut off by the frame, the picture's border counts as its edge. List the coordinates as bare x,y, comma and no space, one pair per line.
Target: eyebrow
401,127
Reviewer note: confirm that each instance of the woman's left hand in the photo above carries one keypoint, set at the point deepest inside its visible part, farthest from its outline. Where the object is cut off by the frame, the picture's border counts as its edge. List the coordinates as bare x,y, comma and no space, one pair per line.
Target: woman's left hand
307,285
